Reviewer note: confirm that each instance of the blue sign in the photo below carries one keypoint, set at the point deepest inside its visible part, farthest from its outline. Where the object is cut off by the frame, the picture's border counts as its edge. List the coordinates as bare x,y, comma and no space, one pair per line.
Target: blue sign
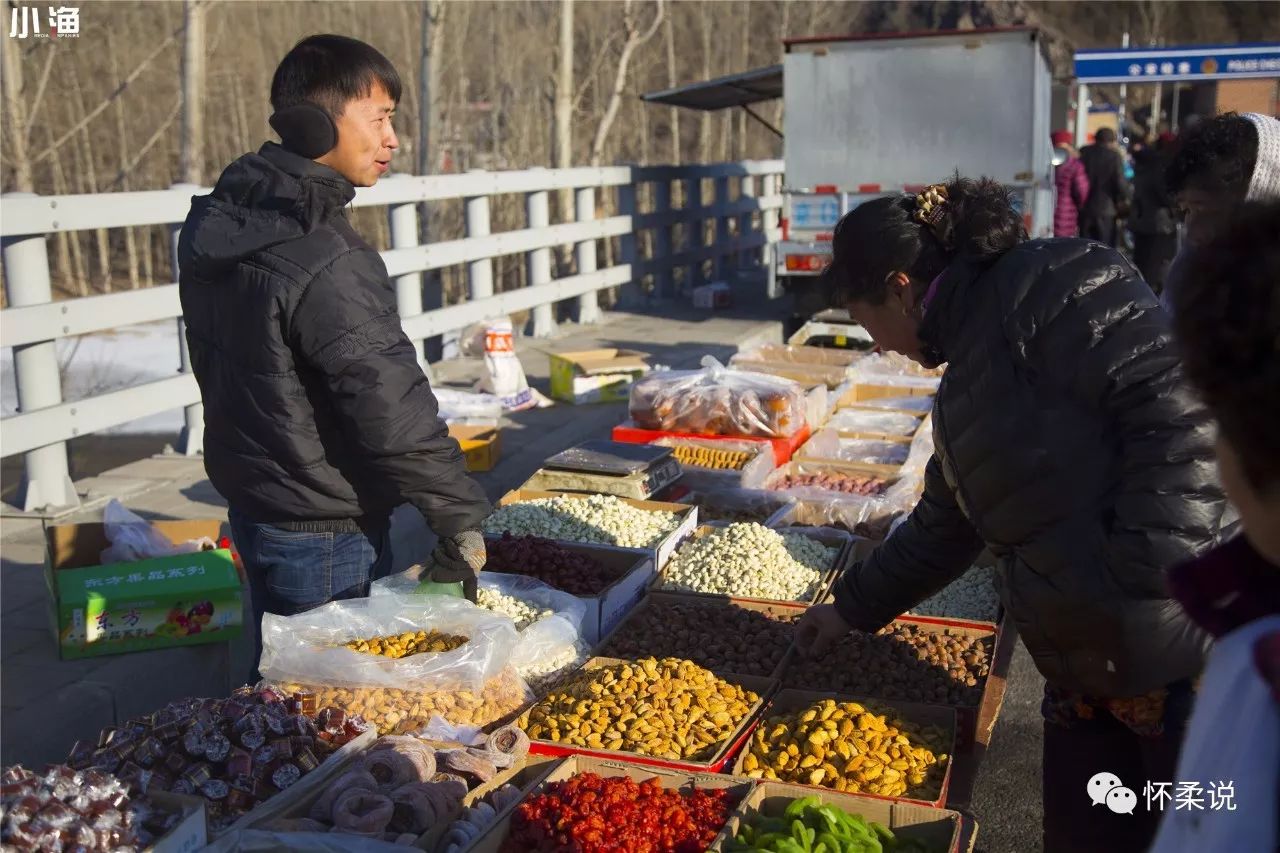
1181,64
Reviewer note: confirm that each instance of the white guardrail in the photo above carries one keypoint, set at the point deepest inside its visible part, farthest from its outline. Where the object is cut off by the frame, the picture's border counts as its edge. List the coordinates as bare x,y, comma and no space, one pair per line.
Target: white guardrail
33,322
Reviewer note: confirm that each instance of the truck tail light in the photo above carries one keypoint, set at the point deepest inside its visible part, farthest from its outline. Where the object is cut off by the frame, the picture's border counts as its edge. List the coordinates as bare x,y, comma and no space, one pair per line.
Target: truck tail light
806,263
868,188
786,228
825,189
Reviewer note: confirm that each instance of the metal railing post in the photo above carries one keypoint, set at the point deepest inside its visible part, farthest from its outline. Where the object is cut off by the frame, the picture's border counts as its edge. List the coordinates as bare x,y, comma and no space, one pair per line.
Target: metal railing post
46,480
746,221
538,212
479,273
585,254
632,293
694,233
403,220
771,221
664,273
191,439
723,238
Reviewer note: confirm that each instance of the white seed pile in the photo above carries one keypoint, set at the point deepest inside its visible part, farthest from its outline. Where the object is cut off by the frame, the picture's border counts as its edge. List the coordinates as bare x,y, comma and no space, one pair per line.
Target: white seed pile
601,519
521,612
545,675
970,596
749,560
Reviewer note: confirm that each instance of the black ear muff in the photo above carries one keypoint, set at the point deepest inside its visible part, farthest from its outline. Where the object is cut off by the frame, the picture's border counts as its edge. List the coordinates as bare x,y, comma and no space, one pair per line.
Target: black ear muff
306,129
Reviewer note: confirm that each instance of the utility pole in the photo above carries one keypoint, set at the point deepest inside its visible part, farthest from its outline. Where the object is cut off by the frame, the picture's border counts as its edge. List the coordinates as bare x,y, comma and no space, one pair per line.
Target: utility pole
1124,92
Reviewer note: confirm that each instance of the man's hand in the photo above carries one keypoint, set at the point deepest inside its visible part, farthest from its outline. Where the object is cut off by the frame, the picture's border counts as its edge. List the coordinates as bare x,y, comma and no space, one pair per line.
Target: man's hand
458,558
820,626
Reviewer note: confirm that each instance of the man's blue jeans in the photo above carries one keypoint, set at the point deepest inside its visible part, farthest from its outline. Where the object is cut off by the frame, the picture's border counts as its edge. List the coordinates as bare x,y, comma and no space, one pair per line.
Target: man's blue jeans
291,572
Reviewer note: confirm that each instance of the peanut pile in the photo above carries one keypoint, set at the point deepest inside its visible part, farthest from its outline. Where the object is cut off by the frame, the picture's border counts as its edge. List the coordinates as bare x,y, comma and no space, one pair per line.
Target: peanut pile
408,643
901,661
666,708
850,748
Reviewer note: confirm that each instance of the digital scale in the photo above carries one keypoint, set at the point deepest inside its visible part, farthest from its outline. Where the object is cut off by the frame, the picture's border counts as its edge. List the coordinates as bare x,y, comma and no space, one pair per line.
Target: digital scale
610,468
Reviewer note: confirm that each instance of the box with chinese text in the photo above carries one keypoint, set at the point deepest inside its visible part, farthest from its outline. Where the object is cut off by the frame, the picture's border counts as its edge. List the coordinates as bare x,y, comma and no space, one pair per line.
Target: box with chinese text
179,600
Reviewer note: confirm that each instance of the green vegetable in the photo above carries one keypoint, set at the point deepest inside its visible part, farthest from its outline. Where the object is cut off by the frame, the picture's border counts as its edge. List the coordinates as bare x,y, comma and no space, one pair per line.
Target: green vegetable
808,826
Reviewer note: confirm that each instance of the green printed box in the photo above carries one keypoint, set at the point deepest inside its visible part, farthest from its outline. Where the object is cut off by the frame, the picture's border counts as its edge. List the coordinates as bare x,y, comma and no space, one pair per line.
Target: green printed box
180,600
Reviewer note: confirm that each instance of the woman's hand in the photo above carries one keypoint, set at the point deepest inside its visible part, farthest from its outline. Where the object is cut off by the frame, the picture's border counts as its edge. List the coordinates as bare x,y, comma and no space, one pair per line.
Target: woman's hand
820,626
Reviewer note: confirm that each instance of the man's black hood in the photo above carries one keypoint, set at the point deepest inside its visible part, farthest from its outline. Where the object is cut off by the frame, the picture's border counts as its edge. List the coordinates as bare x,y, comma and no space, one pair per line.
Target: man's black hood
260,200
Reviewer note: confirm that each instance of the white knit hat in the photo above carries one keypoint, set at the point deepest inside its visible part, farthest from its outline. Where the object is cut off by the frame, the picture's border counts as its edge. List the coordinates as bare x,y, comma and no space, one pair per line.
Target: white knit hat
1265,184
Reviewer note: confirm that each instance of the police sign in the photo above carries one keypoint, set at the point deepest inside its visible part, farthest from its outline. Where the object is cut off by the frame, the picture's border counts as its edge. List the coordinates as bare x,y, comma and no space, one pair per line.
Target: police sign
1165,64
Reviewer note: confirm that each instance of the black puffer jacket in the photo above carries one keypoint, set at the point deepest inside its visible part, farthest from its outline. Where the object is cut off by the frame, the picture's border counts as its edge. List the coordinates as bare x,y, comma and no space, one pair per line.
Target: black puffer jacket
315,407
1067,442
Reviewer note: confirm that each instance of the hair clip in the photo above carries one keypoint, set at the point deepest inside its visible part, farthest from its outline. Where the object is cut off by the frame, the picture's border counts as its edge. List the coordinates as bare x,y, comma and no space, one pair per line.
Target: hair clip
930,203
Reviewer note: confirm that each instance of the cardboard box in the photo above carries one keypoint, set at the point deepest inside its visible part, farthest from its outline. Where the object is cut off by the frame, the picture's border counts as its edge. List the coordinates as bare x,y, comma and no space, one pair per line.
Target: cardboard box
596,376
935,828
659,600
665,548
182,600
848,336
829,537
749,476
190,833
634,568
723,756
788,700
492,840
718,294
481,445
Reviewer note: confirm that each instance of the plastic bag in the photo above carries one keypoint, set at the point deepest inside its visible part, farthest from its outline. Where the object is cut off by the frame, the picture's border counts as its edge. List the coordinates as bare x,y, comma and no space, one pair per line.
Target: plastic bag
827,444
309,647
786,354
718,401
467,407
505,378
730,505
920,405
869,516
905,373
547,639
133,538
880,423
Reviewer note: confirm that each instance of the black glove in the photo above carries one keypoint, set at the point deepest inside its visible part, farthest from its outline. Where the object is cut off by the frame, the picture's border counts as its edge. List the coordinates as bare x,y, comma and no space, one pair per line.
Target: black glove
459,558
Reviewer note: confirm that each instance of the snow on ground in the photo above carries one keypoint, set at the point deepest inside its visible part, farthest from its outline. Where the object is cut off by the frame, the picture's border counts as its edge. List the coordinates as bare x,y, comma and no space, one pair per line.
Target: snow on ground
108,361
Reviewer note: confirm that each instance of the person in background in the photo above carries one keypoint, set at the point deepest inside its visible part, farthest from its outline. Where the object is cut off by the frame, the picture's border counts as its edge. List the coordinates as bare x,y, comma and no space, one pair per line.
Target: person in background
1072,184
318,418
1228,323
1217,165
1152,221
1068,444
1108,190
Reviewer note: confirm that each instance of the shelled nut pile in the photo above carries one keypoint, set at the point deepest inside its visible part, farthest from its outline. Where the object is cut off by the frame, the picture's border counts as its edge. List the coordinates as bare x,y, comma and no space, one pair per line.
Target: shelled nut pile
750,561
666,708
602,519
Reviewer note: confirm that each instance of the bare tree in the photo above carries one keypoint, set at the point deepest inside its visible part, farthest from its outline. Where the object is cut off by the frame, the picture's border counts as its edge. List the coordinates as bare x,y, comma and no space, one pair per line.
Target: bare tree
672,80
636,38
193,56
15,113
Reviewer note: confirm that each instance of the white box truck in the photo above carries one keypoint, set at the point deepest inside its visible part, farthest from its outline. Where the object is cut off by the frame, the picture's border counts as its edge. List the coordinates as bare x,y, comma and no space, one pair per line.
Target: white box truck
868,115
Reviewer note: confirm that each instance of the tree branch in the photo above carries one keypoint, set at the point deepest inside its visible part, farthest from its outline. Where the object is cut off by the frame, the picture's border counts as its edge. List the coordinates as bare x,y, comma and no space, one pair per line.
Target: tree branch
39,96
149,144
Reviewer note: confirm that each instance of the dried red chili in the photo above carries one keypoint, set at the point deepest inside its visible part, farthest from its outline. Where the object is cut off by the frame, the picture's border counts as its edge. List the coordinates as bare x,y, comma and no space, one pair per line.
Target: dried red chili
592,814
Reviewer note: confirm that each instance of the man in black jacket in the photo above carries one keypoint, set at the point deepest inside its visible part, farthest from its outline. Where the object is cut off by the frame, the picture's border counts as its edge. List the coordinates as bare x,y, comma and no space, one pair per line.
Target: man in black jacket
318,418
1108,189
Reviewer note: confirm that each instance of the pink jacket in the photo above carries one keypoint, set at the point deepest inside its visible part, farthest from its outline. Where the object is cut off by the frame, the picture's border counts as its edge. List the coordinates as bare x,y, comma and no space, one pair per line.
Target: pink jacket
1073,189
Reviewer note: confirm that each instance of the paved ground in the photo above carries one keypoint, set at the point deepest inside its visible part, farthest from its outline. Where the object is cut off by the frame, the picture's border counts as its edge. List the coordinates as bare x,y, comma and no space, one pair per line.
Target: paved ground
45,704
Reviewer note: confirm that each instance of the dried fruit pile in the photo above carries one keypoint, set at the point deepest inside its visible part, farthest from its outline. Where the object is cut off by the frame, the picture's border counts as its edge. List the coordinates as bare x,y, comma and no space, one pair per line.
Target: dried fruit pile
900,661
549,562
408,643
670,708
848,747
591,814
705,457
723,637
849,484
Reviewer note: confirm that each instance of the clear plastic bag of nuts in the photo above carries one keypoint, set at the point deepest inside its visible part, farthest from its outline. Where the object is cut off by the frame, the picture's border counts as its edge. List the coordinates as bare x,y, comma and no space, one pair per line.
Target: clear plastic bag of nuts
315,647
396,711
